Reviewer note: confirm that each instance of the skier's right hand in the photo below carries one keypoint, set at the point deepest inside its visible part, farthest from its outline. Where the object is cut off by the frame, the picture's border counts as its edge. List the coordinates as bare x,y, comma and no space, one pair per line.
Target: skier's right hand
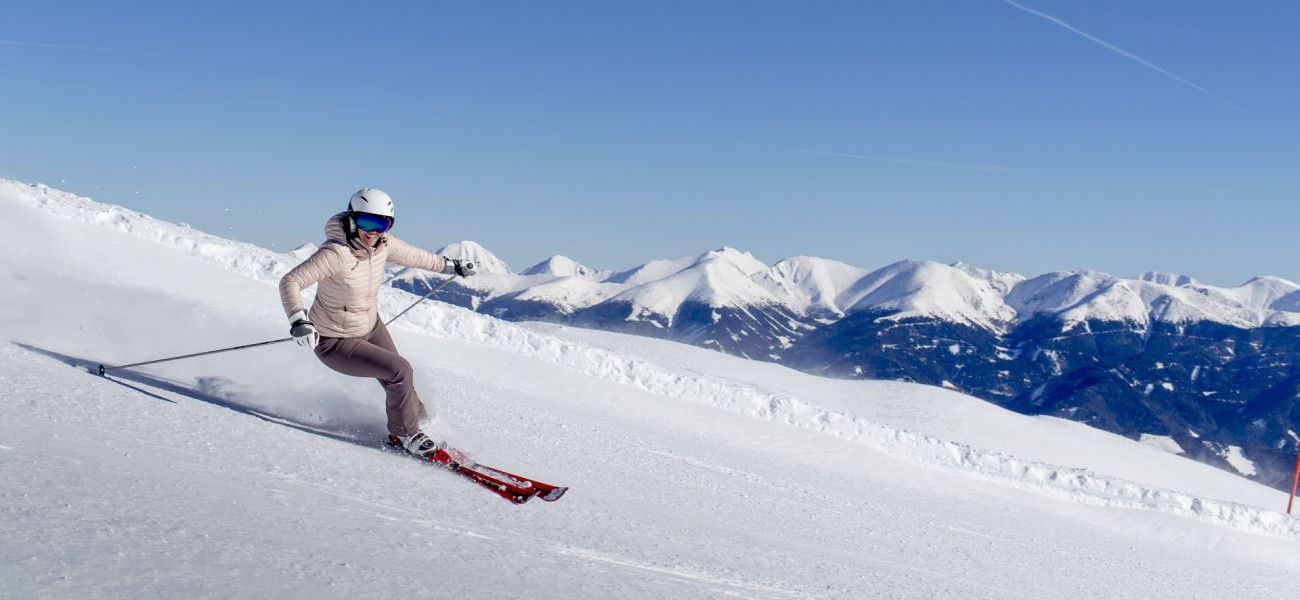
302,330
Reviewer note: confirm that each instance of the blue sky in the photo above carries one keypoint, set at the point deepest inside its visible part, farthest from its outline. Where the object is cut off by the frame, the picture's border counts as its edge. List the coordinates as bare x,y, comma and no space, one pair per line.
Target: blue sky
1028,136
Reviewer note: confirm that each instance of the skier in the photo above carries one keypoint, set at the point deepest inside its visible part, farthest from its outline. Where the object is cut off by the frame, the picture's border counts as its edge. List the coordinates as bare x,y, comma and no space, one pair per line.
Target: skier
344,327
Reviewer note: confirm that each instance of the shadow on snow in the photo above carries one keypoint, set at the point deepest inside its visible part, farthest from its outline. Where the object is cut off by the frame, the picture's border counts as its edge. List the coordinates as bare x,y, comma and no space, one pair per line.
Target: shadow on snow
162,386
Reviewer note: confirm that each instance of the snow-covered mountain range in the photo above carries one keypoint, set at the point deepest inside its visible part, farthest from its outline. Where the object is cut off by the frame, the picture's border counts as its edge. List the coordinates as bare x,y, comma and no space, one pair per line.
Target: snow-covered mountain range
693,474
830,290
1211,371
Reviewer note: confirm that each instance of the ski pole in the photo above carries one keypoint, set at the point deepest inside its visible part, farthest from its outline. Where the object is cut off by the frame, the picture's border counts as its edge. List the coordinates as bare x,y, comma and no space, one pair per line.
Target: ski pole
447,281
103,369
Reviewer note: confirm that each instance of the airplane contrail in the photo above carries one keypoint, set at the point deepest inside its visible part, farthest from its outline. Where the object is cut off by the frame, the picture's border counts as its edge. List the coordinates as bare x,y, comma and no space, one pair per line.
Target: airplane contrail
1121,52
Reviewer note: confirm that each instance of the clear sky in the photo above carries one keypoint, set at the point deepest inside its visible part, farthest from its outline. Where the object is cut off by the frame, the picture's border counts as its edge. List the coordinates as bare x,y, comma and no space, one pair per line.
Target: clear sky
1028,136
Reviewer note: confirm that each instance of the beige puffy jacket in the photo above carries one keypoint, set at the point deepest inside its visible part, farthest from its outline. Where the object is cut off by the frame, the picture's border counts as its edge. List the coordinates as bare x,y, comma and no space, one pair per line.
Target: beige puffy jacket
349,274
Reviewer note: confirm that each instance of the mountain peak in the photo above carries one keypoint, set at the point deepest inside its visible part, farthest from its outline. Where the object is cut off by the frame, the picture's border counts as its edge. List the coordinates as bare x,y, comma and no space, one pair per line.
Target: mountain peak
1169,279
484,261
926,288
563,266
741,260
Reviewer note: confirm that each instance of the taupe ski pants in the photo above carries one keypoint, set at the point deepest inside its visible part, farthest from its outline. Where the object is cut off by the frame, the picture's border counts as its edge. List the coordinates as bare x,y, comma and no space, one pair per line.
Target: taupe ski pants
375,356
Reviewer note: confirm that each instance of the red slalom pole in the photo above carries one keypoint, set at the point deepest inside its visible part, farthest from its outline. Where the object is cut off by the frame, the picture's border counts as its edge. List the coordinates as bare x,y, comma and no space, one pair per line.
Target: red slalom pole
1294,480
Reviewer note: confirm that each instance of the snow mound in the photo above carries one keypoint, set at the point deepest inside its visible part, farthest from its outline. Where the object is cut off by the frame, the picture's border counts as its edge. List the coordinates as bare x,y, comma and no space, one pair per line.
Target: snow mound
304,251
245,259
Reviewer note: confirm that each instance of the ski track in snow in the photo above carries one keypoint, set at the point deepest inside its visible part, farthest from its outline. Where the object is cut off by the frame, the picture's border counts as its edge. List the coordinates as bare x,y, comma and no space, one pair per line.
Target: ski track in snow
1069,484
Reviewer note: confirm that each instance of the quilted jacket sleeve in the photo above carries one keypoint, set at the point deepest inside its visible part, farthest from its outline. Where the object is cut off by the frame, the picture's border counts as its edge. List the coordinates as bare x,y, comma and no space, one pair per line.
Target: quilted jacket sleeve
324,263
404,254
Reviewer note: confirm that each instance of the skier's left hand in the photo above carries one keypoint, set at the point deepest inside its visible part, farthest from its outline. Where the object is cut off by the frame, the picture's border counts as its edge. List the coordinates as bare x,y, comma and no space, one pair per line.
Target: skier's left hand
464,268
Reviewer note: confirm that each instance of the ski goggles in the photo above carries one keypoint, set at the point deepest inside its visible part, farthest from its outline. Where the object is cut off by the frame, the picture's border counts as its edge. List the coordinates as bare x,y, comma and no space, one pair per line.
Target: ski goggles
369,222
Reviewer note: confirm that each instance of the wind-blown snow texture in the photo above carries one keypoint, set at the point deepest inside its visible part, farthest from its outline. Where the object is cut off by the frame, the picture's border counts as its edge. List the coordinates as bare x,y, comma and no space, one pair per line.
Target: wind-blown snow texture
694,474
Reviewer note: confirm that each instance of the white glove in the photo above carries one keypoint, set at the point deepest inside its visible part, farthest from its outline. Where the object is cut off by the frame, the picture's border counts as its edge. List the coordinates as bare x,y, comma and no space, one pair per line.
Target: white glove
302,330
458,267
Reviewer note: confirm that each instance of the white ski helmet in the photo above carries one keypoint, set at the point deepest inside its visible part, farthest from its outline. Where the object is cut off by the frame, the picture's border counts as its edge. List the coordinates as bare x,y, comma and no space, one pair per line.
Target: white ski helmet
371,201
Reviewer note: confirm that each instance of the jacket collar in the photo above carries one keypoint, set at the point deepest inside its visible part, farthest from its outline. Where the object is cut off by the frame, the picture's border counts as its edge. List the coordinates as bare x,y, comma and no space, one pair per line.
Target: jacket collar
339,230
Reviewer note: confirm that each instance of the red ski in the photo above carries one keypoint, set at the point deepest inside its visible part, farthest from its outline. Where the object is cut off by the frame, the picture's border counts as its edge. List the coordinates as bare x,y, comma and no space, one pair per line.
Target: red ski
545,491
507,485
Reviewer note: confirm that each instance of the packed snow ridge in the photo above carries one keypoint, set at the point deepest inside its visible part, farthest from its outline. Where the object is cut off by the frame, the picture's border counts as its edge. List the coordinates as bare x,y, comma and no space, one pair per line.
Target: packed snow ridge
956,290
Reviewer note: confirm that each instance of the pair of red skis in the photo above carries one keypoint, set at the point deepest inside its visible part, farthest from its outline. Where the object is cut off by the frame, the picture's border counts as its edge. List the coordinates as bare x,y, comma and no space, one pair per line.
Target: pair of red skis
507,485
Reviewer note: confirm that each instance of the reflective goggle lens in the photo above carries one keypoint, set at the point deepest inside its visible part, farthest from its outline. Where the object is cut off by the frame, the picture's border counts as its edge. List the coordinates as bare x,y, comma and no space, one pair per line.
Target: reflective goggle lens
376,223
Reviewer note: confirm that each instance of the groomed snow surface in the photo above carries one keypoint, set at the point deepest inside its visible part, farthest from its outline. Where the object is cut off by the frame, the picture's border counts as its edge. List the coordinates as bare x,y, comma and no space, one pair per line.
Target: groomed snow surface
259,473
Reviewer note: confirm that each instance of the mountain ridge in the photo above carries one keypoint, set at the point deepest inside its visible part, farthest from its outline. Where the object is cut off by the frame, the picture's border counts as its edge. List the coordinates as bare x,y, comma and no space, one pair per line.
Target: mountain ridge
956,292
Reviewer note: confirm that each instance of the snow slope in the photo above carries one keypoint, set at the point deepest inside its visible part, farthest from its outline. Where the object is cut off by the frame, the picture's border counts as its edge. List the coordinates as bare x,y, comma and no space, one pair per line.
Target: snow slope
694,475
